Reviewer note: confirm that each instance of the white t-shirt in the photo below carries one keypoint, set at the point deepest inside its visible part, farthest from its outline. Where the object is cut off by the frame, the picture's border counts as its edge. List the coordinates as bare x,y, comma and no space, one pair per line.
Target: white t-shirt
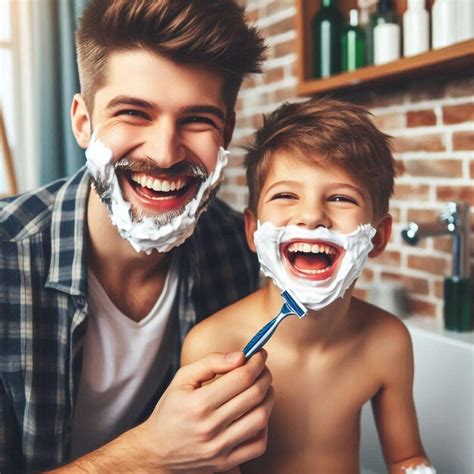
120,369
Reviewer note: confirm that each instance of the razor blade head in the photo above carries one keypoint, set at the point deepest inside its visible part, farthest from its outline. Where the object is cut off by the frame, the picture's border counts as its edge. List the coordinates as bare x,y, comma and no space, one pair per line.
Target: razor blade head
294,304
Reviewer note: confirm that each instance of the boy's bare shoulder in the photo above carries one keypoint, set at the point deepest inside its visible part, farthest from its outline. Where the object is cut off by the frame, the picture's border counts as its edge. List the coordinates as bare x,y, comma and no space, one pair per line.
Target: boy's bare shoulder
224,331
384,334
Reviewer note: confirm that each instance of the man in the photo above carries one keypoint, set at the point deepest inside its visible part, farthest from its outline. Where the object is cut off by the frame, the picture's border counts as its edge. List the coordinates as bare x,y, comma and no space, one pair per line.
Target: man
98,288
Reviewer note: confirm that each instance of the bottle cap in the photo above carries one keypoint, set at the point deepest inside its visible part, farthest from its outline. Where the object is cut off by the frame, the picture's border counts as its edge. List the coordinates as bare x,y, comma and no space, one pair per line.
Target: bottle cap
353,17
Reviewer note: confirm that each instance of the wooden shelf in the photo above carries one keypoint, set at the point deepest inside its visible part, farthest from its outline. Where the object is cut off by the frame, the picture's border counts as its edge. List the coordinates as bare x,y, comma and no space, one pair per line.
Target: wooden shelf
457,57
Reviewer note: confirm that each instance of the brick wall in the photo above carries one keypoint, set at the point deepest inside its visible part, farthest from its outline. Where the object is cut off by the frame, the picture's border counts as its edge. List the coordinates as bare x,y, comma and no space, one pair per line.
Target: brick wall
431,121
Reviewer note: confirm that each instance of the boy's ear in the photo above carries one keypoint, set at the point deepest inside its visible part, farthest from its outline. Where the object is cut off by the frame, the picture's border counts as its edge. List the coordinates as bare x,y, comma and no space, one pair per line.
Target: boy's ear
381,238
250,227
80,121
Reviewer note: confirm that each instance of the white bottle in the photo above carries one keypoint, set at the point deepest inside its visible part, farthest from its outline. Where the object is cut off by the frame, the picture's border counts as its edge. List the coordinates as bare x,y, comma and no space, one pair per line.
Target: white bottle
416,28
465,20
444,23
386,43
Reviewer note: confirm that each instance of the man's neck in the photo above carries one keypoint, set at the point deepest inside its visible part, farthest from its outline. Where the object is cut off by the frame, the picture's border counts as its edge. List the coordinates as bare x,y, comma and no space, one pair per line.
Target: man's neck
123,272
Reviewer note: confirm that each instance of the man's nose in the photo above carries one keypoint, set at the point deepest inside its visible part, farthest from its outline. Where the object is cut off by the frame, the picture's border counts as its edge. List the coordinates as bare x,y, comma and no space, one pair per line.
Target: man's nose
164,144
312,215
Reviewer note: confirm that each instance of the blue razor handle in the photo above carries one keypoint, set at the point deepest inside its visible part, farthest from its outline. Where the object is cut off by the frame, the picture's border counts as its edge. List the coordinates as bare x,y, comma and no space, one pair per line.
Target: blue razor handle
291,306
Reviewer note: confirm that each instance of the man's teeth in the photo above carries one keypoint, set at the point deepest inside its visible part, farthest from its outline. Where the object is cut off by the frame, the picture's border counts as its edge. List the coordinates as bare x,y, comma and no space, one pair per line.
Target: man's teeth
162,185
311,248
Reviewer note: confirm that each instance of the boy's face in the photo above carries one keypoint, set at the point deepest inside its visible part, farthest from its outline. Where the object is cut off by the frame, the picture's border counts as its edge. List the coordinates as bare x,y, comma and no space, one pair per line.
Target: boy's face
167,120
311,194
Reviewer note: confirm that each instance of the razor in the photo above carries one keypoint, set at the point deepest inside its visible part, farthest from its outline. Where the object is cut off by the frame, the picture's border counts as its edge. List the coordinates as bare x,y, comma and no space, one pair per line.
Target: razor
290,306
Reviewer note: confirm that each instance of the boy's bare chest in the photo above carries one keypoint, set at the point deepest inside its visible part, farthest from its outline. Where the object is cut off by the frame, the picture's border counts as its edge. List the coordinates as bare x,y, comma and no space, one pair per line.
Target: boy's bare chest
315,420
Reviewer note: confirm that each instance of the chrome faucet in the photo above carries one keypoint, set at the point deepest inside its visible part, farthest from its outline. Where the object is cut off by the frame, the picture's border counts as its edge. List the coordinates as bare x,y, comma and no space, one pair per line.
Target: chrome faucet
454,221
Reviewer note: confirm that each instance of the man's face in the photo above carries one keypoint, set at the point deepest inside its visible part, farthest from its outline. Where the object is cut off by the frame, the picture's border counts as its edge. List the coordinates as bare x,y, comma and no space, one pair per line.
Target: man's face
164,123
310,195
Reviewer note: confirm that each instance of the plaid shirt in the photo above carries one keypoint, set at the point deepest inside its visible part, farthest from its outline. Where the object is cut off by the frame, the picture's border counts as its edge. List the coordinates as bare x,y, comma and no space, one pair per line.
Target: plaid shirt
43,310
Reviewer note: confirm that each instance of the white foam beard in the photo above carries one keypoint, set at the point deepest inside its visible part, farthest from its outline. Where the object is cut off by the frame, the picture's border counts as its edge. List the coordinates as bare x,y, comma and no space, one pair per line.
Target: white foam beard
144,233
314,294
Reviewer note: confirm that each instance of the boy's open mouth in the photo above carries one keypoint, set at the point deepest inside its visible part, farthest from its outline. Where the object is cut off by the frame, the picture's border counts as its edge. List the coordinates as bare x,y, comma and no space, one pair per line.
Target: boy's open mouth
312,260
161,193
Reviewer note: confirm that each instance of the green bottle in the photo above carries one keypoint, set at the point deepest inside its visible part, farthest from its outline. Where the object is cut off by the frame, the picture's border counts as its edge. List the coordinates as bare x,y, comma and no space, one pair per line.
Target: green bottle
353,44
327,28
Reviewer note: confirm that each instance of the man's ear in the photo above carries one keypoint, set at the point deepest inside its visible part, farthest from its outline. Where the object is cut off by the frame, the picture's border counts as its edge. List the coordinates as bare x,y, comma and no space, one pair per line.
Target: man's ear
80,121
381,238
229,128
250,227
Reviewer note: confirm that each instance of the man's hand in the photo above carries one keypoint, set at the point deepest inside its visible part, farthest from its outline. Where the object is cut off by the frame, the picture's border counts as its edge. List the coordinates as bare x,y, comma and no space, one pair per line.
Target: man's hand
196,426
214,426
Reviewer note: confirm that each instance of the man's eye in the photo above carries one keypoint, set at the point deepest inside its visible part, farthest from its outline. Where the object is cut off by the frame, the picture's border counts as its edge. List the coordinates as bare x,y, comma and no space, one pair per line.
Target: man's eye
133,113
199,120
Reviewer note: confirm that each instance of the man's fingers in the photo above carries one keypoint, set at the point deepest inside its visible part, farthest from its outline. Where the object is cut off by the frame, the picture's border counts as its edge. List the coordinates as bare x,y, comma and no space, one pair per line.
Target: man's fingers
237,381
205,369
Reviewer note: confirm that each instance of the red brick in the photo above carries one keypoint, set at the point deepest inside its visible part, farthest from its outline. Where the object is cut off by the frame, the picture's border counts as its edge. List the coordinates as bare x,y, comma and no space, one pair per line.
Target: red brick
407,192
422,215
463,141
388,257
395,213
456,193
399,168
458,113
367,275
431,142
257,121
421,118
281,26
436,265
285,94
285,48
434,168
423,308
443,244
274,75
412,284
471,168
439,289
389,121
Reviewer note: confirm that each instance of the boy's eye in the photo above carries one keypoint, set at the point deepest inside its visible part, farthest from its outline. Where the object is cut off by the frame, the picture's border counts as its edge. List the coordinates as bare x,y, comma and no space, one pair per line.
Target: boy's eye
198,120
283,196
133,113
342,198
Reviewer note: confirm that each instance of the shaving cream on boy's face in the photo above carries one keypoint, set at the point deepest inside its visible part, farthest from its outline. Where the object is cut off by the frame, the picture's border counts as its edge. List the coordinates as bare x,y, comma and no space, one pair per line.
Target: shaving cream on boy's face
163,231
318,265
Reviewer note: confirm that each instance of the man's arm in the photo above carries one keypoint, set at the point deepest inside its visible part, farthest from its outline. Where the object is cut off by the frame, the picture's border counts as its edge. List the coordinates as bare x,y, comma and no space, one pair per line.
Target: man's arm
393,406
195,426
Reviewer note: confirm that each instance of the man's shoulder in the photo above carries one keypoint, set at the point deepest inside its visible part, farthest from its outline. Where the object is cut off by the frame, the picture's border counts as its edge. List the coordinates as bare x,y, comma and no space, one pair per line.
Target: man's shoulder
29,213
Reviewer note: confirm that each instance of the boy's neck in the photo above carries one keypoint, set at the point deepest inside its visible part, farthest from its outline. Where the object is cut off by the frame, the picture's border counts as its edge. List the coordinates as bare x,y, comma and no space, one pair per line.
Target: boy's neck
318,329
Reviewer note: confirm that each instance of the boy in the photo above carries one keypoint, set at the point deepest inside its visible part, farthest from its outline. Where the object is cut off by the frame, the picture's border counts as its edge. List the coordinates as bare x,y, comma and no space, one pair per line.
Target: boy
320,176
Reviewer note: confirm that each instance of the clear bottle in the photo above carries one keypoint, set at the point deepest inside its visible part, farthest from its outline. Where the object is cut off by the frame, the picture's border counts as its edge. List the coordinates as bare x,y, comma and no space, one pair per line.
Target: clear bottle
443,23
416,28
386,34
353,44
326,29
465,20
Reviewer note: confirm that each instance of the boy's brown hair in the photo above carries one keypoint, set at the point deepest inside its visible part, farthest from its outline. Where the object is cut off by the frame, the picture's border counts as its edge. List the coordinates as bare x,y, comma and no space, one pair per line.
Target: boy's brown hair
210,33
339,132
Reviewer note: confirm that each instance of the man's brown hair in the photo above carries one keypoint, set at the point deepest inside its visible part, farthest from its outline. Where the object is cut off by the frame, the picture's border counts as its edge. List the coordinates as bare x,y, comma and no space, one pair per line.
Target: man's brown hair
338,132
210,33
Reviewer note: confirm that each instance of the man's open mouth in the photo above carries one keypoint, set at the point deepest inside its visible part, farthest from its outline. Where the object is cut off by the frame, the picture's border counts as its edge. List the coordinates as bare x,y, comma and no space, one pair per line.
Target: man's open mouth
160,193
313,260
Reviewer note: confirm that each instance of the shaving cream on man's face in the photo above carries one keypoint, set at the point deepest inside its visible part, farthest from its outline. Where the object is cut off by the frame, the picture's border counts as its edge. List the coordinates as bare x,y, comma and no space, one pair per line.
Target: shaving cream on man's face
318,265
148,232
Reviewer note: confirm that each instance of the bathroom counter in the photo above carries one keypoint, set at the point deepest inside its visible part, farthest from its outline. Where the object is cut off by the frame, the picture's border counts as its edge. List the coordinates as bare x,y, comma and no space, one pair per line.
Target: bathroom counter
435,329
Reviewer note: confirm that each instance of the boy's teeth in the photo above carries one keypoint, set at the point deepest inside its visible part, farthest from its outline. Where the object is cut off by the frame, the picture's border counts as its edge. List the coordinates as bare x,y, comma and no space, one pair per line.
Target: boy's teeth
308,248
162,185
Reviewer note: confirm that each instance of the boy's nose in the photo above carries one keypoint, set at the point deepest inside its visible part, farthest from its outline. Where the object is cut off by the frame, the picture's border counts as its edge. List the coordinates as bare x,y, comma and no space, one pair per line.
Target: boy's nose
164,145
312,217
